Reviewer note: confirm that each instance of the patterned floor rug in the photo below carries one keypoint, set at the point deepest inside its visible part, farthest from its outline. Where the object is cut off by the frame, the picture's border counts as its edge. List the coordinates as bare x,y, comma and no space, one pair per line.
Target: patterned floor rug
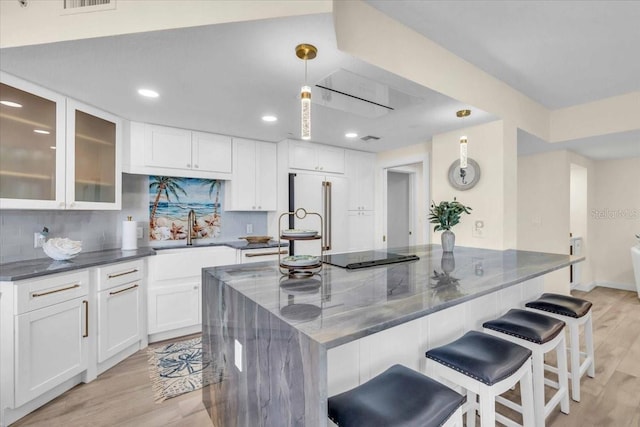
176,368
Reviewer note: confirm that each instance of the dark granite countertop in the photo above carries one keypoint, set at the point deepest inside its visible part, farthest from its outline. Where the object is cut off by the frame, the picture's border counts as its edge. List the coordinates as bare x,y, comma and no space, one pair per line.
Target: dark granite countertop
20,270
26,269
235,244
338,305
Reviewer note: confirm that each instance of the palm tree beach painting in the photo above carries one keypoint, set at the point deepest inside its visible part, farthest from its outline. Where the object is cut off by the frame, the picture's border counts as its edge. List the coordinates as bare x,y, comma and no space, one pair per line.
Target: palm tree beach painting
171,199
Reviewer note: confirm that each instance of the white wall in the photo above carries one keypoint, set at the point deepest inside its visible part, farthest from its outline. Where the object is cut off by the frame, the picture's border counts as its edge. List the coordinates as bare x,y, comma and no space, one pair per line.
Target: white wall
616,217
493,199
543,210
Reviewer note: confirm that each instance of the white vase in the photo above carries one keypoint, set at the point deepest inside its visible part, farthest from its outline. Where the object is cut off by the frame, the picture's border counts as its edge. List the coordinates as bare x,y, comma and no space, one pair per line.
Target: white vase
448,240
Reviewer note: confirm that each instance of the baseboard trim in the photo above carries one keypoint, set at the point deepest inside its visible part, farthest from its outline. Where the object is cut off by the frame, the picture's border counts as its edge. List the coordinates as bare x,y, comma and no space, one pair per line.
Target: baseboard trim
585,287
621,286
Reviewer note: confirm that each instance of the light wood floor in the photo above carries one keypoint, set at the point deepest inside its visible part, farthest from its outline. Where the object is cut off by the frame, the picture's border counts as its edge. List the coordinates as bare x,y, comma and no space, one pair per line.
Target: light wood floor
122,396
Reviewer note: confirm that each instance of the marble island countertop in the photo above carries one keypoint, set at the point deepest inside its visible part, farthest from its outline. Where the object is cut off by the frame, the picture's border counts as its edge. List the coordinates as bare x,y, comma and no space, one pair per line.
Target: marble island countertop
338,305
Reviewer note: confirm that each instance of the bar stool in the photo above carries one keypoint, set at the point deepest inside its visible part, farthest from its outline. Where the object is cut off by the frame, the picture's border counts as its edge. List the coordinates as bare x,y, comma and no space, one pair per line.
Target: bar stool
540,334
485,366
397,397
574,312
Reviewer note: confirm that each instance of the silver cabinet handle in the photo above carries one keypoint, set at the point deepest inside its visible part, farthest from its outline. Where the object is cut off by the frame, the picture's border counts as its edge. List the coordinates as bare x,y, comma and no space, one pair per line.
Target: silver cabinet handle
123,290
188,165
196,166
41,294
124,273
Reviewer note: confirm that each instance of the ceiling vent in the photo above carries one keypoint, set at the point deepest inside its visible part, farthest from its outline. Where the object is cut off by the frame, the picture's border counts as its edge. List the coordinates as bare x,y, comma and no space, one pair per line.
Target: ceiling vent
370,138
85,6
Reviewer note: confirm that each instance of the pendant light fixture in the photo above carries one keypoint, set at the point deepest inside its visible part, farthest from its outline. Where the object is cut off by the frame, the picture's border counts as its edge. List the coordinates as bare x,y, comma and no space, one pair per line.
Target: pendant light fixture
463,140
305,52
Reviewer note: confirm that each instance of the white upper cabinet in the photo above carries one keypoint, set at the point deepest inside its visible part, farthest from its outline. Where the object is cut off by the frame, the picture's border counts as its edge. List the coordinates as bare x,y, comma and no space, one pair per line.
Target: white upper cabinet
316,157
94,170
254,181
361,173
56,153
160,150
211,152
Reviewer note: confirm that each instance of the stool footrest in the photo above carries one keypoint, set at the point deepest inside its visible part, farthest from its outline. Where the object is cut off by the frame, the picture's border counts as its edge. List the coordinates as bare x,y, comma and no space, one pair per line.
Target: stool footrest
509,404
506,421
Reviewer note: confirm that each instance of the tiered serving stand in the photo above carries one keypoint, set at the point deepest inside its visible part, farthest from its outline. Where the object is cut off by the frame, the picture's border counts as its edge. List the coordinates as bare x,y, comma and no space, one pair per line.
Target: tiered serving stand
302,270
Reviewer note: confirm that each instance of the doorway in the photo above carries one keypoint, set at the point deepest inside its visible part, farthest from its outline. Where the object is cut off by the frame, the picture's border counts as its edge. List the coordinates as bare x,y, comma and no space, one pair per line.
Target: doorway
400,208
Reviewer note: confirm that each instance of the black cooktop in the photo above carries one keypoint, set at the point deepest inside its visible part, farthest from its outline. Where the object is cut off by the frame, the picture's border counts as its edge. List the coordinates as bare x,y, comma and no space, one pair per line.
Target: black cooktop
353,260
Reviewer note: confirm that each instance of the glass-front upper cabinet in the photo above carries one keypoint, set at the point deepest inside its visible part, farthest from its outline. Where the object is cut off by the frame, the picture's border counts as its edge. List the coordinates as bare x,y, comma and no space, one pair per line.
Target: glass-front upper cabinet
32,146
93,158
56,153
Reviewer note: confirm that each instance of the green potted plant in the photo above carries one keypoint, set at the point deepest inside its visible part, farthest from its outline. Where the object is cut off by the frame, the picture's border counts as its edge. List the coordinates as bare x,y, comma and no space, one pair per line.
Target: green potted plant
445,215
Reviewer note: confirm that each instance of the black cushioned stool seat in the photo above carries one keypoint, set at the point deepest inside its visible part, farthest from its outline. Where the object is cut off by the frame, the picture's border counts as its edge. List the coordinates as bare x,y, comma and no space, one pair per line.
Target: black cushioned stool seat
540,334
397,397
527,325
561,304
575,312
481,356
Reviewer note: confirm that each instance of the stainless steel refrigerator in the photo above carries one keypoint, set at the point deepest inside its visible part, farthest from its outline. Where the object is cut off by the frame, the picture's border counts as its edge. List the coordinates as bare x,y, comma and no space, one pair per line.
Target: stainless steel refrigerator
326,195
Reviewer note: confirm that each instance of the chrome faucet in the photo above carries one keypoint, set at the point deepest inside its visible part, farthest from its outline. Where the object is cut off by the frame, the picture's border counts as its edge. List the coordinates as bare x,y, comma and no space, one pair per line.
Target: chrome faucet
191,222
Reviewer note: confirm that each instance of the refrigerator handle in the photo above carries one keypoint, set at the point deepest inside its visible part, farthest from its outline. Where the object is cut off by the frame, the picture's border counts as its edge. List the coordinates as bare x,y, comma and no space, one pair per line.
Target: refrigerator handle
327,214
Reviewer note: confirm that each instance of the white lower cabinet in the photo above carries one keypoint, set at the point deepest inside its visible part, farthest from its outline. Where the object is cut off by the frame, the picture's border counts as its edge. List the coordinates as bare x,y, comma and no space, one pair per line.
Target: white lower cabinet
51,347
63,329
174,294
361,231
174,307
118,319
120,312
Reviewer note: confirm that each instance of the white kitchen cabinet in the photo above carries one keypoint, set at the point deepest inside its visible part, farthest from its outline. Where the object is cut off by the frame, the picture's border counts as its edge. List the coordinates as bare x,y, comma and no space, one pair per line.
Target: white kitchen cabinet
166,151
51,348
56,153
316,157
360,169
360,231
253,186
174,306
174,288
120,310
94,167
44,337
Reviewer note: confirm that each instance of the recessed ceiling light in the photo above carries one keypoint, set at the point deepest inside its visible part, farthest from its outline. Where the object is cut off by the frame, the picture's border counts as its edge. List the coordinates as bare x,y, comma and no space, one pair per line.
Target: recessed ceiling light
11,104
40,131
148,93
351,135
269,118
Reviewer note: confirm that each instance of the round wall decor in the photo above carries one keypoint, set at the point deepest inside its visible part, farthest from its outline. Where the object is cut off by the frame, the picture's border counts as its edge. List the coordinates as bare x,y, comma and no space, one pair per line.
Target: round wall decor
464,179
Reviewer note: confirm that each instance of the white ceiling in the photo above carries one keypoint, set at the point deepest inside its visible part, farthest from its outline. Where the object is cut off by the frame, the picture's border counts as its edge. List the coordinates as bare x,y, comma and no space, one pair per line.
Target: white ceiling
559,53
223,78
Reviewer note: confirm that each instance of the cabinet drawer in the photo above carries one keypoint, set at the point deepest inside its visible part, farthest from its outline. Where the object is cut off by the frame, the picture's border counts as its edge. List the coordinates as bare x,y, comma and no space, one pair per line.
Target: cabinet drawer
179,263
39,293
118,274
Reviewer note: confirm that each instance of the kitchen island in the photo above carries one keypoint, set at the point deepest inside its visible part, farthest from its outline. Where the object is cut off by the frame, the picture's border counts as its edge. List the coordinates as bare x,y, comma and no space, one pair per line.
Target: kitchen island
276,347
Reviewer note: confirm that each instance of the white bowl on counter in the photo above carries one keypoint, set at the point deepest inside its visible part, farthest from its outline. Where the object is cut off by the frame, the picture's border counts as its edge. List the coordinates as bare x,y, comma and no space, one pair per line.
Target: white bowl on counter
62,249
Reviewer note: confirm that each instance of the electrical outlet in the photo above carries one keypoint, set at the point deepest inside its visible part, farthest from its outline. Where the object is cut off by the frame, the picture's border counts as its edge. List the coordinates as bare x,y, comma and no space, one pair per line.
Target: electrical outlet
249,228
478,228
139,232
38,239
238,355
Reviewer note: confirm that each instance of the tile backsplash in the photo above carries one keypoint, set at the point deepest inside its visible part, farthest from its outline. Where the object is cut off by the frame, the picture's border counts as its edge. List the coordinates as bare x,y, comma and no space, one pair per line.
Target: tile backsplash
100,230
